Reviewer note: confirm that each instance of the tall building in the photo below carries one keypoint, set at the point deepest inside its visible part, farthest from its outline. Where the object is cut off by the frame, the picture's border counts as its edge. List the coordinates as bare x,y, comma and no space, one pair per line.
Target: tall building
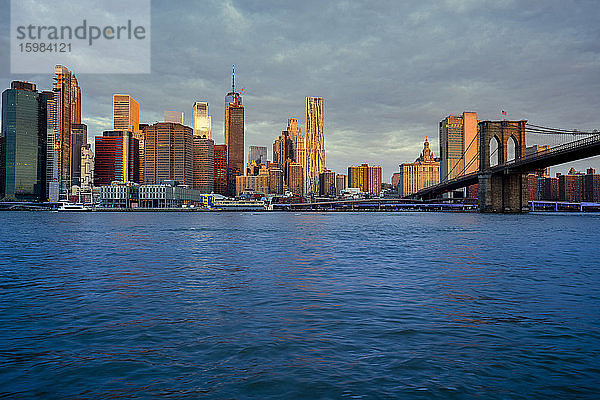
126,117
424,172
78,140
204,164
175,117
117,158
87,167
296,179
570,187
458,145
234,137
220,169
168,153
315,144
341,182
23,143
591,186
257,154
327,183
67,110
366,178
298,144
275,179
201,120
283,153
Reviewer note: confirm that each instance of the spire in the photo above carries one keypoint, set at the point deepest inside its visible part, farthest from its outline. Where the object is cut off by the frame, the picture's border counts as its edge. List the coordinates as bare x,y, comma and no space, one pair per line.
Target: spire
233,79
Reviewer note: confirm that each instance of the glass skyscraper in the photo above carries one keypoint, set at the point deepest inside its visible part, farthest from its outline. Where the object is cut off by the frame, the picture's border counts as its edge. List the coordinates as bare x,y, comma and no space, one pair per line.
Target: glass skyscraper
315,142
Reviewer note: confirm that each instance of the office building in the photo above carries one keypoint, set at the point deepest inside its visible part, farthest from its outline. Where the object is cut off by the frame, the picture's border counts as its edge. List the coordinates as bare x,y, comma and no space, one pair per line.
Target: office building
78,140
366,178
315,143
341,182
174,117
204,164
422,173
234,138
220,169
459,147
327,184
126,114
117,158
67,110
23,144
201,120
298,142
168,153
283,154
275,179
257,183
87,167
296,178
257,154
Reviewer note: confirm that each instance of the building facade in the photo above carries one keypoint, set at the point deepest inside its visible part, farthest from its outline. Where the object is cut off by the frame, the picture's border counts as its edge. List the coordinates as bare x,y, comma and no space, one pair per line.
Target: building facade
458,140
174,117
117,158
296,178
341,182
23,144
366,178
78,140
422,173
204,164
201,120
87,167
168,153
220,169
315,142
257,154
327,184
257,183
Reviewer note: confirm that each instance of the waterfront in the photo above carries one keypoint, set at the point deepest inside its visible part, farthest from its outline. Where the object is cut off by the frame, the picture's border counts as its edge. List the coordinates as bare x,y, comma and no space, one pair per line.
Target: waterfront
299,305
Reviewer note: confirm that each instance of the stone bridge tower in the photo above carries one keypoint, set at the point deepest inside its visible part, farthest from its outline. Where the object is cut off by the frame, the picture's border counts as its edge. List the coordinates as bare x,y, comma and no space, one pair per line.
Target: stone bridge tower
503,190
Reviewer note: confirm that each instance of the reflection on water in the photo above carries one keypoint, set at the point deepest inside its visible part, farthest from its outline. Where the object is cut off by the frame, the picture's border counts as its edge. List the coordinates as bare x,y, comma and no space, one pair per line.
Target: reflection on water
306,305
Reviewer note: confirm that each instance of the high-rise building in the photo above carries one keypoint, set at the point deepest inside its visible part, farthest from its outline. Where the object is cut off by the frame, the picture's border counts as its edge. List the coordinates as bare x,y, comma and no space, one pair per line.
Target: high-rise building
422,173
327,183
275,179
220,169
78,140
298,144
234,137
204,164
67,109
458,145
117,158
258,154
201,120
23,143
591,186
570,187
283,154
168,153
87,167
175,117
366,178
341,182
315,143
296,179
126,114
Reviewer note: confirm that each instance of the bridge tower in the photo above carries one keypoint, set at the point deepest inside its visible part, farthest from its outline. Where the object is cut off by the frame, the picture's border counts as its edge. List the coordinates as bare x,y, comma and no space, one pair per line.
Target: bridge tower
501,190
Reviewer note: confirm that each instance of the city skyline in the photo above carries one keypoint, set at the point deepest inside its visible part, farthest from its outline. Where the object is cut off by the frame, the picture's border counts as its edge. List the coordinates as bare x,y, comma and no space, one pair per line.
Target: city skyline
401,100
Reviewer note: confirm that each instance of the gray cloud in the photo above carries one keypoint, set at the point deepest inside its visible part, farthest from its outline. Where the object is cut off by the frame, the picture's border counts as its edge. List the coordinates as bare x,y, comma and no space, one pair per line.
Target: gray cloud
389,71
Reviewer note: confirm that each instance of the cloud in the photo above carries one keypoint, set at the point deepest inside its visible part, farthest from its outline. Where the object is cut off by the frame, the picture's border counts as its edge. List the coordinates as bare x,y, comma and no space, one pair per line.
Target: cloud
389,71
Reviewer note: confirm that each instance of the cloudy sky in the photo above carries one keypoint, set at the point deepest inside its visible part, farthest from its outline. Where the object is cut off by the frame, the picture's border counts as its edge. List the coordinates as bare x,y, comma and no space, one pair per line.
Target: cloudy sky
389,70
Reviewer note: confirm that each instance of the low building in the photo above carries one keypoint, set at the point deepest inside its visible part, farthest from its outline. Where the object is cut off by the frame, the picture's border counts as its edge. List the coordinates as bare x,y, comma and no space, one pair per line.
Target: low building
256,183
591,186
169,196
120,195
365,177
570,187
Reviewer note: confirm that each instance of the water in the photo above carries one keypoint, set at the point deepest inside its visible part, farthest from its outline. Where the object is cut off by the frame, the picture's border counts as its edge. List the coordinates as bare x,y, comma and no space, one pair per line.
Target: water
296,306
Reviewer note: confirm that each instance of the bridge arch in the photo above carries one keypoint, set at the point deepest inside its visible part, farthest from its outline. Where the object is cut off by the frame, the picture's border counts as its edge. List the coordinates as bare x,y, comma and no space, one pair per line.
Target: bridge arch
494,147
511,148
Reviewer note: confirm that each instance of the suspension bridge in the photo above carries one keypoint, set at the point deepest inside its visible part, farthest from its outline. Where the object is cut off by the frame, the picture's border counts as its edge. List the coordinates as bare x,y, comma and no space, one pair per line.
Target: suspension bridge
500,165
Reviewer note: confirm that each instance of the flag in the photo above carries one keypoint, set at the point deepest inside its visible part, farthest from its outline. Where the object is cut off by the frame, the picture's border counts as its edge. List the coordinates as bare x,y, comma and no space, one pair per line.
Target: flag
503,112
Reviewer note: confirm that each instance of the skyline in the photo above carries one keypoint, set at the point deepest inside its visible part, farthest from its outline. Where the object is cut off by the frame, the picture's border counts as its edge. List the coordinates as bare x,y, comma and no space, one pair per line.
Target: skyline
385,89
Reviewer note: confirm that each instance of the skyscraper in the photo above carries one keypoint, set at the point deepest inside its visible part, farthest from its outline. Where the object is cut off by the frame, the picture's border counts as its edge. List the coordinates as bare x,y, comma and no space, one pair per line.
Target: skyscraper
201,120
234,137
315,144
204,160
67,108
126,116
78,140
175,117
220,169
23,143
258,154
458,145
298,143
283,154
365,177
327,183
117,158
168,153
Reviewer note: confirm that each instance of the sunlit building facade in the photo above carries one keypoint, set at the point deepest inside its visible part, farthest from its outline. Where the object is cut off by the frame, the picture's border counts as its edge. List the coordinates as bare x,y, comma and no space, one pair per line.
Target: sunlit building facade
117,158
327,184
204,164
220,169
422,173
366,178
315,143
168,153
201,120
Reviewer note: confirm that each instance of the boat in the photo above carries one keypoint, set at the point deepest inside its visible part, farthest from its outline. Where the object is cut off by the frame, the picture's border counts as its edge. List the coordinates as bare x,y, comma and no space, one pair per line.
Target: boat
65,206
238,205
